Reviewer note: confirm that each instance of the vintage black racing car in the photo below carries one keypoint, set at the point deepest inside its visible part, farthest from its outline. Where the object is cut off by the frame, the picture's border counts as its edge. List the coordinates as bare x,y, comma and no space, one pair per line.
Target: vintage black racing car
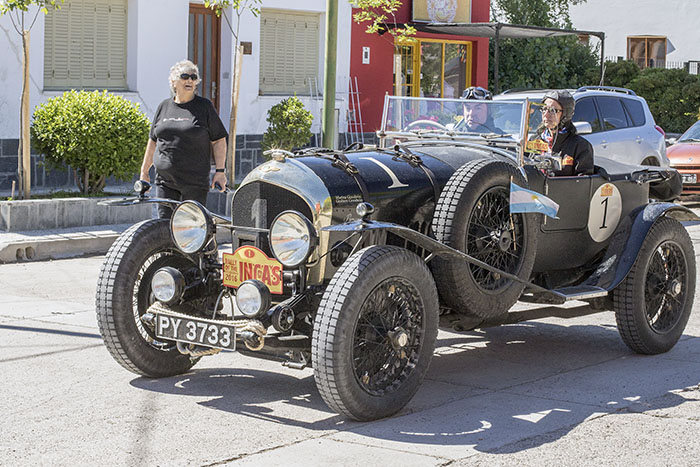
349,261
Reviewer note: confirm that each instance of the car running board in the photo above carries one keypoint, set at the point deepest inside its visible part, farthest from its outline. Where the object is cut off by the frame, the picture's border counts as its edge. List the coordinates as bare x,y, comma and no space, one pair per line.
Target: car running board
565,294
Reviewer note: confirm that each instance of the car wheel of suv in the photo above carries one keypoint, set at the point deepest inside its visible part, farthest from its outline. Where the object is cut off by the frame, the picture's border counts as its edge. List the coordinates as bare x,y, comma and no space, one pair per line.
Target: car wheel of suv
124,295
650,161
473,216
653,303
374,332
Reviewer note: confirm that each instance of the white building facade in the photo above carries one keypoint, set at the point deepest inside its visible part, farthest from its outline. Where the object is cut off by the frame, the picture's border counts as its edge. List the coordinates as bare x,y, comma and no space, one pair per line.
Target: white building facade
654,34
128,47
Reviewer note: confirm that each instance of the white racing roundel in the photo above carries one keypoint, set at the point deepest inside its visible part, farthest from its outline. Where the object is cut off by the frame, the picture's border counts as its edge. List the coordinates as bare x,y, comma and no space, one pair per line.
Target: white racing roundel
604,213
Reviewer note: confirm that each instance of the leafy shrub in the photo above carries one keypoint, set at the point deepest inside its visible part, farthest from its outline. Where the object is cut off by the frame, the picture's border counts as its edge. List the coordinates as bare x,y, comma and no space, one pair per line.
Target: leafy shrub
558,62
673,96
290,125
97,133
620,73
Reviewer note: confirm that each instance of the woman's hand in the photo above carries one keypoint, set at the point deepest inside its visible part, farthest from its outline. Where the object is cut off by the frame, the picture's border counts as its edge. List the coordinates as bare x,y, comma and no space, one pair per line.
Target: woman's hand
220,178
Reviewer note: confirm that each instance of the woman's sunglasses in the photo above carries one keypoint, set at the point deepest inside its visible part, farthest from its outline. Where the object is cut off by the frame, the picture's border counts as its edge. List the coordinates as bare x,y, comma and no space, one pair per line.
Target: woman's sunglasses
186,76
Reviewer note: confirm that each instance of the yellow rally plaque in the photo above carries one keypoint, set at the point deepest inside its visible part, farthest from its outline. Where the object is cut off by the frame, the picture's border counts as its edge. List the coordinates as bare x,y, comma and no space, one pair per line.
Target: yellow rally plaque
536,145
249,262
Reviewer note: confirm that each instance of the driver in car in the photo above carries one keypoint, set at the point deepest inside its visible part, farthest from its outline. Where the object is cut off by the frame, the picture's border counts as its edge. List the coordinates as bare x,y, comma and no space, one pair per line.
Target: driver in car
559,134
476,114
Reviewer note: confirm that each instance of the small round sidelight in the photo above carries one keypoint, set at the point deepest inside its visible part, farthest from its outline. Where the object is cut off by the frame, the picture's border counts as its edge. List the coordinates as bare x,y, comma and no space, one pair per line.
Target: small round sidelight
168,285
364,209
253,298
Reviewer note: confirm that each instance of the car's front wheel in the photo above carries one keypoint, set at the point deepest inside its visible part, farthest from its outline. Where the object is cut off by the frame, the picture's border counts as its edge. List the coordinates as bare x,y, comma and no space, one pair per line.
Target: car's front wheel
124,294
375,332
653,303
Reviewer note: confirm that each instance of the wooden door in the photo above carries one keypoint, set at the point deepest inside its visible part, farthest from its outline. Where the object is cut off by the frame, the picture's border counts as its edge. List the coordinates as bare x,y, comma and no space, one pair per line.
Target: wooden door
204,48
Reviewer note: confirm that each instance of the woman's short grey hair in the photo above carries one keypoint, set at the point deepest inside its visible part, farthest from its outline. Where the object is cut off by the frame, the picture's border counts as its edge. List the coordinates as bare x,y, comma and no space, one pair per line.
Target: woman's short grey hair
183,66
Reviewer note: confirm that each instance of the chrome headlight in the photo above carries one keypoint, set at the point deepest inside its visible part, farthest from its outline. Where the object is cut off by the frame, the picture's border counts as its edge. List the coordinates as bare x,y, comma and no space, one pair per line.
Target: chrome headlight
252,298
292,238
167,285
191,227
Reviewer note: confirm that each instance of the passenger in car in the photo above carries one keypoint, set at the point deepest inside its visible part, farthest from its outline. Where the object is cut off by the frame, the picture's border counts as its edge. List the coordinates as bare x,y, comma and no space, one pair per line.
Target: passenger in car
559,133
476,115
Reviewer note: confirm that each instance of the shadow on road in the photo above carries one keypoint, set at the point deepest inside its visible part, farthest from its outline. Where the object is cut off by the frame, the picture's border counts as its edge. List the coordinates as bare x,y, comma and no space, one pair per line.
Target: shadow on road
248,392
485,390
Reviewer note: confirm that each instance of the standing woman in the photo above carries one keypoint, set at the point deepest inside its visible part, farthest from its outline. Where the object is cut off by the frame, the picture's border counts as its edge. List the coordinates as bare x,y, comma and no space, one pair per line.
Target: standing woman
186,131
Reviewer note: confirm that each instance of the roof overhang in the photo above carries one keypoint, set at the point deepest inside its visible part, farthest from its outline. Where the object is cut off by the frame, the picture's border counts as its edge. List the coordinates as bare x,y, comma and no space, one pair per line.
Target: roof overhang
502,30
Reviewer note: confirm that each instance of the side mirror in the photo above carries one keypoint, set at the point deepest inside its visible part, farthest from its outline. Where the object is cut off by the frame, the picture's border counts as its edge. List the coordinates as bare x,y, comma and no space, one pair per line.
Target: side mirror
450,126
583,128
670,141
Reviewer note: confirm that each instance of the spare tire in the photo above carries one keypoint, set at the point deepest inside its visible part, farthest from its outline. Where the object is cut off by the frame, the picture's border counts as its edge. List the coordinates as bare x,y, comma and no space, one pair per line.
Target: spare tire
473,216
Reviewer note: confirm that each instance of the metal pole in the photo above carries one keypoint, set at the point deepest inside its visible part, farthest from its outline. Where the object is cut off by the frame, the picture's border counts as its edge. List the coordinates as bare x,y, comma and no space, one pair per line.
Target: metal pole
602,58
328,119
496,53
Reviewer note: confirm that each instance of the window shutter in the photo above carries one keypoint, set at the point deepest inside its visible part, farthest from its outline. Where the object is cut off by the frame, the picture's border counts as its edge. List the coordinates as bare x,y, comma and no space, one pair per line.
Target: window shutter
85,45
56,41
289,46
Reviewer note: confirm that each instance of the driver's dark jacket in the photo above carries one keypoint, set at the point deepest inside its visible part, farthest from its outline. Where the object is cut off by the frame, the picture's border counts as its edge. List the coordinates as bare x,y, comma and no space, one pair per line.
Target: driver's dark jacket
568,143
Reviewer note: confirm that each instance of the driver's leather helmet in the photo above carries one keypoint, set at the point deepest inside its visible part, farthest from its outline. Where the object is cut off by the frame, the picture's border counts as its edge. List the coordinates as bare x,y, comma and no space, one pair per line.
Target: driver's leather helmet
477,92
565,100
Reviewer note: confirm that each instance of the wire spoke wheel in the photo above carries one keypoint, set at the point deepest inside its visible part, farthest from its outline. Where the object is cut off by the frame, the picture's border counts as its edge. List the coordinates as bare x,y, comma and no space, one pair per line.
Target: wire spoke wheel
664,292
388,336
124,295
473,215
374,332
494,237
653,303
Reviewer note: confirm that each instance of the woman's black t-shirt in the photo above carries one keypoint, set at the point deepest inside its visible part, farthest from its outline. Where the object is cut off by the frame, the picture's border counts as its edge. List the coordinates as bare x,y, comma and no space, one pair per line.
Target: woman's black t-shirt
183,134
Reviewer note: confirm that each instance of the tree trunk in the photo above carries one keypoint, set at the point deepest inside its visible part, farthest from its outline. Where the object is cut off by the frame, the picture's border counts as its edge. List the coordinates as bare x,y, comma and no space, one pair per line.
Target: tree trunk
235,91
24,157
86,184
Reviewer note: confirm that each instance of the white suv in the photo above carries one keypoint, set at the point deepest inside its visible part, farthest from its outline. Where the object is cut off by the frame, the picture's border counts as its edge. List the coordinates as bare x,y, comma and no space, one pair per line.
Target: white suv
623,128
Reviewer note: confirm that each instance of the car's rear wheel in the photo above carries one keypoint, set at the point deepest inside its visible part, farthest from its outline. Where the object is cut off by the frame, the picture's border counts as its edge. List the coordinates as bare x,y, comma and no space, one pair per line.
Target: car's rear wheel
374,332
653,303
473,216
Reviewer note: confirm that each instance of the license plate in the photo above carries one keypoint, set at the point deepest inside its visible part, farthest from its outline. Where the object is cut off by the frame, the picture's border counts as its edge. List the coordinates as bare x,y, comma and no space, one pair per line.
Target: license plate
204,332
689,179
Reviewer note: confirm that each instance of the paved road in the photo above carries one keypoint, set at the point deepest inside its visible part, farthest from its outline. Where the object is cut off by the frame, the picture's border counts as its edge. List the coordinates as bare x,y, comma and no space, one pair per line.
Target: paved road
553,391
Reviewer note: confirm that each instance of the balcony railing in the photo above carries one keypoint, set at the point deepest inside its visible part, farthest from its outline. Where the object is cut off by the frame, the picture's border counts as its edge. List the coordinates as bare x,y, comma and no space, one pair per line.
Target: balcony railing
691,66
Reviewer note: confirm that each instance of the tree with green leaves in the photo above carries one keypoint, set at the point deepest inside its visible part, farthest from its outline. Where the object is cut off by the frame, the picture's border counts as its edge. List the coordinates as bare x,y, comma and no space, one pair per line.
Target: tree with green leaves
290,125
377,13
556,62
238,7
22,21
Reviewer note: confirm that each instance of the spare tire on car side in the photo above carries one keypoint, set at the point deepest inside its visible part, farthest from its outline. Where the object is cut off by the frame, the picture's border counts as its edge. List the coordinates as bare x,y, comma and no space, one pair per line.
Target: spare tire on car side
473,215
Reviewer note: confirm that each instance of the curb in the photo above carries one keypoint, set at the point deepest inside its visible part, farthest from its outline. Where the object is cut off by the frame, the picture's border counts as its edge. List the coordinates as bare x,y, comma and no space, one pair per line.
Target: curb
67,243
32,246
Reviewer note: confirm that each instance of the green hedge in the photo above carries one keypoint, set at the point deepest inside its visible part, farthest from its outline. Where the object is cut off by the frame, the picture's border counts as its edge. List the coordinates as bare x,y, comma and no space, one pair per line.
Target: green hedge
97,133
